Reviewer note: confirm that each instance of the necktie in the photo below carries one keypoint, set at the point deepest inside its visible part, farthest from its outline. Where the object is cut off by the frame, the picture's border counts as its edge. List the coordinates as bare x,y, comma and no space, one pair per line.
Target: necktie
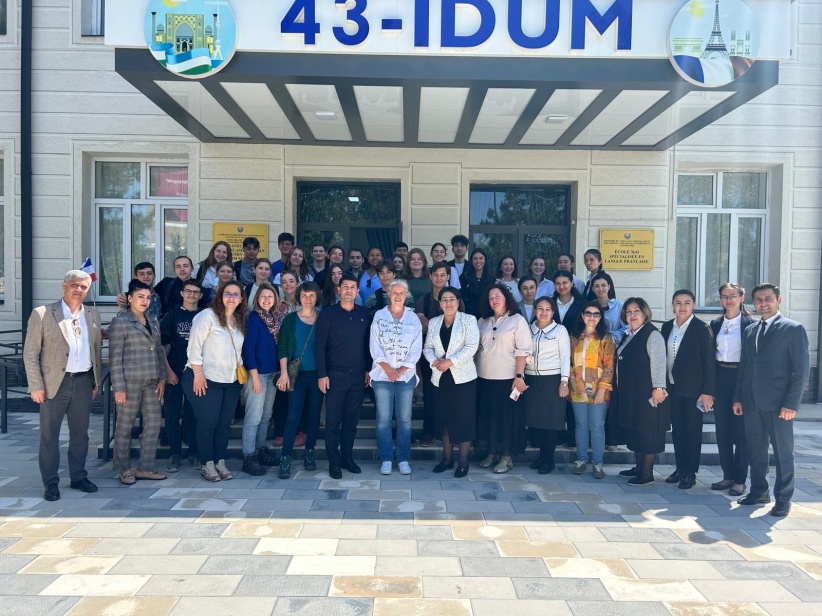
760,337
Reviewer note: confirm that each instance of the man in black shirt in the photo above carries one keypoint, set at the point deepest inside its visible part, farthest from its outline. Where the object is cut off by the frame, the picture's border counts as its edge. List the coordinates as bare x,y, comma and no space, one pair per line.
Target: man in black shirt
169,288
175,328
343,362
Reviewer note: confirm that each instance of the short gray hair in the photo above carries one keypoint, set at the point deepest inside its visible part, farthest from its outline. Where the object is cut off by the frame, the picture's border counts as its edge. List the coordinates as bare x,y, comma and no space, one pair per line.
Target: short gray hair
398,282
75,274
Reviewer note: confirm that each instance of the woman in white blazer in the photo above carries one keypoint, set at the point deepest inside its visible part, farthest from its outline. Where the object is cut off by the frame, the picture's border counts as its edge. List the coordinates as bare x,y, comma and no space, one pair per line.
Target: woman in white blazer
452,342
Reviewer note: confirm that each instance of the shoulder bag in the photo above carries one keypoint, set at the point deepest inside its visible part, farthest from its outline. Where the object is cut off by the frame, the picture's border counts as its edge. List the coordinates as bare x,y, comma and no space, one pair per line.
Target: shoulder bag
242,373
293,367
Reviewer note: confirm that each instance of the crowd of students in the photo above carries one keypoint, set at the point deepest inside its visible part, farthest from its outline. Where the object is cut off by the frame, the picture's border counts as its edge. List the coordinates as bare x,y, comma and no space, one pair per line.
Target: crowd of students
504,358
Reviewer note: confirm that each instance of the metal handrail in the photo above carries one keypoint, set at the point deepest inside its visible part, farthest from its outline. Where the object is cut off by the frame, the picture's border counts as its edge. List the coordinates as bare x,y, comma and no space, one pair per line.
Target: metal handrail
109,421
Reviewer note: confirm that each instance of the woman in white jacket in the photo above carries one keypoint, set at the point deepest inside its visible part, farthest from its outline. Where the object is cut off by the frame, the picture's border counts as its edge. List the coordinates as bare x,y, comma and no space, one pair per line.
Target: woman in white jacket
396,346
452,342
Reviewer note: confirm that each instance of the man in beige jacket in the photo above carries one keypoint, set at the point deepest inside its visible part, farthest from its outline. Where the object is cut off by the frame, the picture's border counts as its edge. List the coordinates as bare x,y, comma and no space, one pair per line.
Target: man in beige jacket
63,358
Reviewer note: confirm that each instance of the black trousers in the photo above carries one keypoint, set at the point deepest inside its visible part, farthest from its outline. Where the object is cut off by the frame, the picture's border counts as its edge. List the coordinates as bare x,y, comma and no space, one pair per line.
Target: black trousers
343,402
570,424
175,407
730,428
761,426
73,399
686,423
213,412
428,394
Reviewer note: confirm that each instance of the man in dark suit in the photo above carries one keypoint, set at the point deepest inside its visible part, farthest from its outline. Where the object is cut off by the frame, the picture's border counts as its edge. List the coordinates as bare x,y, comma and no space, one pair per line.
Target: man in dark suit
773,370
63,358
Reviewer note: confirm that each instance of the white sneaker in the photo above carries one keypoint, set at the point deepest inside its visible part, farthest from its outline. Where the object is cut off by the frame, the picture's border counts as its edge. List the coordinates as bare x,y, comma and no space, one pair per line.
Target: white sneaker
405,468
223,471
385,469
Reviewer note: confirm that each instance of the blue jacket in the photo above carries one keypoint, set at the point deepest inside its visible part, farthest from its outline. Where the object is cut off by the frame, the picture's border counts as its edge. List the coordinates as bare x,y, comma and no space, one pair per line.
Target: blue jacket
259,347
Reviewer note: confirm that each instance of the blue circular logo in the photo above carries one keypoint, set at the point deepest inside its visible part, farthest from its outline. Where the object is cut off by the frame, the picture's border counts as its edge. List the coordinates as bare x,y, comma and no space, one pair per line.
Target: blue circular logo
713,42
191,38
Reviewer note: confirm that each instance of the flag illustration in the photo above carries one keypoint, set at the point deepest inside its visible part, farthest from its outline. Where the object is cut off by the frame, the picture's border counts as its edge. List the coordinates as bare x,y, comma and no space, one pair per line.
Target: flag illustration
88,268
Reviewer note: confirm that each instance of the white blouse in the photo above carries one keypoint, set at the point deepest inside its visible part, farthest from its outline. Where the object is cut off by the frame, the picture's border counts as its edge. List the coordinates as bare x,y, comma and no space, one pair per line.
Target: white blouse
729,340
396,343
551,352
210,346
502,340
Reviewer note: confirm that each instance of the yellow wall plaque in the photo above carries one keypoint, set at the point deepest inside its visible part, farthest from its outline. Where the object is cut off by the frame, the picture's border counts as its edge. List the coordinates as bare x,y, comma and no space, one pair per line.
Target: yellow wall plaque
627,249
235,232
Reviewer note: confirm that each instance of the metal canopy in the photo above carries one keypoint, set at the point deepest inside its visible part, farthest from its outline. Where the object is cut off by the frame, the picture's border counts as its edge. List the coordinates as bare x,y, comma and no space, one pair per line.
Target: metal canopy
521,103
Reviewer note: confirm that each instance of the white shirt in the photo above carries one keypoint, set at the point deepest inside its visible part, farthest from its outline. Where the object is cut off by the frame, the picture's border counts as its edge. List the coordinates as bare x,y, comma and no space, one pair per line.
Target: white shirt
396,343
254,288
551,353
513,286
454,278
562,309
210,279
529,310
79,359
729,340
210,346
674,340
300,279
768,323
546,288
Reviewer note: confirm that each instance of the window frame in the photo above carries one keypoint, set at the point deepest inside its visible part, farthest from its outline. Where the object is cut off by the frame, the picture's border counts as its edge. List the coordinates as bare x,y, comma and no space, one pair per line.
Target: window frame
161,204
96,11
702,212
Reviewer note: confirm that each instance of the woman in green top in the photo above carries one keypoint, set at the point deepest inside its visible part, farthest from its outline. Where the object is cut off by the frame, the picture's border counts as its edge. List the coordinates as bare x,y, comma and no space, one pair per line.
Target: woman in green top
416,273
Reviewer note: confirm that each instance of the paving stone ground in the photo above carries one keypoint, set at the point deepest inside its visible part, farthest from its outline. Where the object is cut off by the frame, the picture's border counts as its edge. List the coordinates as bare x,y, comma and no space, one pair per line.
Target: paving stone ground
425,544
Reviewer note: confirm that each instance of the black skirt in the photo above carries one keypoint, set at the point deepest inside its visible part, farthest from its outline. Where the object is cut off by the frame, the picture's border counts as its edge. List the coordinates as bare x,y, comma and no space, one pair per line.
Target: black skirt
496,411
455,409
640,441
544,409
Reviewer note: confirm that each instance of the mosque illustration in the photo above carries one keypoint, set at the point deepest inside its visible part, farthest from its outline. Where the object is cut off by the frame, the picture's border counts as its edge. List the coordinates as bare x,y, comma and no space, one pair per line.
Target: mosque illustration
186,44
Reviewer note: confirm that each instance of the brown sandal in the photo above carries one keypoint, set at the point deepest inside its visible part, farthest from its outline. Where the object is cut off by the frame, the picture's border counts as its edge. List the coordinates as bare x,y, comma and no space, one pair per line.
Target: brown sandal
152,475
127,478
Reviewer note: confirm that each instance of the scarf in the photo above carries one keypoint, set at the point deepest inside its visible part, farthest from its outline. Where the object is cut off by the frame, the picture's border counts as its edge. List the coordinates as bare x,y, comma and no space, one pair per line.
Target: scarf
271,322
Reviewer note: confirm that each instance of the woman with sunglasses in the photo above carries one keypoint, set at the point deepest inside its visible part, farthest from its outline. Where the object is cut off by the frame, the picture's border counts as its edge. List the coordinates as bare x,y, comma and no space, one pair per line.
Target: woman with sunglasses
138,379
210,378
592,372
730,428
546,376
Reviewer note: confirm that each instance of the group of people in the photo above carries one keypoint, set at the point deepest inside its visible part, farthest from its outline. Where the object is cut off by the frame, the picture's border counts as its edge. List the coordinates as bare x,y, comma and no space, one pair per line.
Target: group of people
503,359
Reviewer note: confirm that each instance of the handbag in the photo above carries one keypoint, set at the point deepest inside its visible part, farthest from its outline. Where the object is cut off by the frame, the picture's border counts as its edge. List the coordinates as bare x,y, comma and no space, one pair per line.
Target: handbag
293,366
242,373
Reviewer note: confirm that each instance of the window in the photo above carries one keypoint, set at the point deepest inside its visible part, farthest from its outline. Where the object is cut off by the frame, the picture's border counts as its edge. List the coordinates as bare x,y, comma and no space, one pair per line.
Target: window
92,17
352,215
523,221
720,232
4,17
2,229
141,214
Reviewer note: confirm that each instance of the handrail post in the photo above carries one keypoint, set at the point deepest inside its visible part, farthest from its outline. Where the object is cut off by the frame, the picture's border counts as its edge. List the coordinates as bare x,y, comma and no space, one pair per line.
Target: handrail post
105,391
4,400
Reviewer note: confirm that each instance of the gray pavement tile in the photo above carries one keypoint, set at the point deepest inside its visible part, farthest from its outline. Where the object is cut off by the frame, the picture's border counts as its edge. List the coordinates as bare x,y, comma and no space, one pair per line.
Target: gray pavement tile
134,504
442,495
471,486
14,584
12,563
77,505
597,488
415,506
396,516
685,551
277,505
552,508
378,494
123,492
618,608
503,567
291,606
292,484
441,533
731,535
524,518
190,585
186,530
612,508
36,606
744,570
223,606
245,493
643,499
806,590
345,505
6,542
637,535
307,515
304,494
480,507
567,589
456,548
180,515
684,510
392,484
688,497
283,586
238,483
215,546
720,523
245,564
507,496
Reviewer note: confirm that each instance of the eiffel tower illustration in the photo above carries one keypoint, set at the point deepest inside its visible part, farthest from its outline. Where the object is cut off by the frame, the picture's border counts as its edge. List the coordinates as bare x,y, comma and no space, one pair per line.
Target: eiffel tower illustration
715,43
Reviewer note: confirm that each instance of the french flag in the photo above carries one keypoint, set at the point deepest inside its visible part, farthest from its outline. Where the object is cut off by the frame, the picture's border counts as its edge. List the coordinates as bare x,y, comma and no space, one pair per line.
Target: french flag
88,268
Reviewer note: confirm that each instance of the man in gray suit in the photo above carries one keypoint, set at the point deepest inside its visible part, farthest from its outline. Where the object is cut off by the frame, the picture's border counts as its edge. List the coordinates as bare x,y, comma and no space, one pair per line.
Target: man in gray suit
773,370
63,358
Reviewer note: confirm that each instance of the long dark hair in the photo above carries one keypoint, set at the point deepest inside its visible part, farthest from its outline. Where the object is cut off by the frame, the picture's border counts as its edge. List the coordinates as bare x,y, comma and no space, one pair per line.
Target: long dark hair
565,274
211,260
240,313
607,278
499,266
596,253
329,293
511,305
303,271
741,290
579,325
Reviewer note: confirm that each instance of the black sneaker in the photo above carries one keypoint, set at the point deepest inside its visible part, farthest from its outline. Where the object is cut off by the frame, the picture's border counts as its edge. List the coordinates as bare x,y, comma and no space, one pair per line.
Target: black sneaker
631,472
285,467
639,480
309,463
265,457
252,467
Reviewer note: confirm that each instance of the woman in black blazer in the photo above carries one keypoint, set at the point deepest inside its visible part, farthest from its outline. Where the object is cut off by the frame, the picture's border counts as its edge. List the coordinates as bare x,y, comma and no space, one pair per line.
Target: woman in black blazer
690,375
569,304
593,263
730,428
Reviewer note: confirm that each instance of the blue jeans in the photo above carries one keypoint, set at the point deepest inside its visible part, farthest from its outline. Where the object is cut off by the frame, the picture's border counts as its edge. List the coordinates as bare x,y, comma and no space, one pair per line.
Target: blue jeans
394,399
258,409
305,387
590,417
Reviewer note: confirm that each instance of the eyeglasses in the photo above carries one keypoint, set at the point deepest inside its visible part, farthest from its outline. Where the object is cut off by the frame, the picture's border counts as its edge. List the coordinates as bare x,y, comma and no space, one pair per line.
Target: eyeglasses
726,298
75,323
232,295
450,300
190,292
593,315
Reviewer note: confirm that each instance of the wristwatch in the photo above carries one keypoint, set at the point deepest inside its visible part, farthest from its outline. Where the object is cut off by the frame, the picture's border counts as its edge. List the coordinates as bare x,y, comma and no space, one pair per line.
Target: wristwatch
520,375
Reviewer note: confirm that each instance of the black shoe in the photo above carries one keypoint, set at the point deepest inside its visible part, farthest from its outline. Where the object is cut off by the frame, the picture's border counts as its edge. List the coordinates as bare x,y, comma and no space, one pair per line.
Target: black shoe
723,485
781,509
83,484
444,466
687,482
252,467
352,466
546,469
640,480
52,492
535,464
266,457
751,499
675,477
631,472
334,471
461,471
